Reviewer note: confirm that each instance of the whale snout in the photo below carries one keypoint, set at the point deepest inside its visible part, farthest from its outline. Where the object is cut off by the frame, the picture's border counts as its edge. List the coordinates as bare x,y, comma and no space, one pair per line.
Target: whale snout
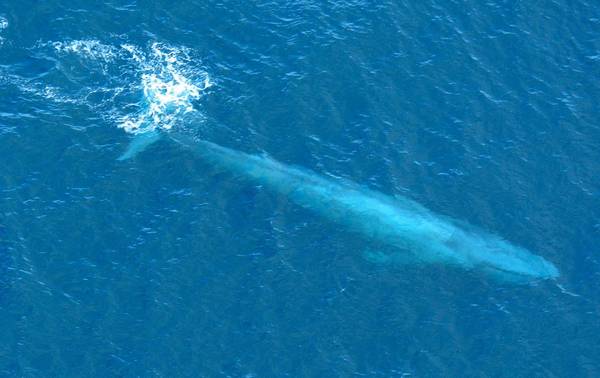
551,271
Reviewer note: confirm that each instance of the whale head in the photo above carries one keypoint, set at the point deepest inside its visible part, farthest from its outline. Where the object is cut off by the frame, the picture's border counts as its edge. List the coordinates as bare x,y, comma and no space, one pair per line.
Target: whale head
501,258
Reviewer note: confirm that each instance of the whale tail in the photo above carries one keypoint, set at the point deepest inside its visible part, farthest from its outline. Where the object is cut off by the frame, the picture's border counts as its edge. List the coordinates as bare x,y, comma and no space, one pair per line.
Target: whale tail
140,143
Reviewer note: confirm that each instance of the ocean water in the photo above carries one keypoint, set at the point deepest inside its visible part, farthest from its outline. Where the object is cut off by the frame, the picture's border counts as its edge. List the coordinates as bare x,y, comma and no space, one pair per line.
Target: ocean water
165,265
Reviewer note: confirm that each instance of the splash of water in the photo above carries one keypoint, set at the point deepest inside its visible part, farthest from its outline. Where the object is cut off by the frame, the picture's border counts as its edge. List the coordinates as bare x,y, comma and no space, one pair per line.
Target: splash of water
167,91
137,88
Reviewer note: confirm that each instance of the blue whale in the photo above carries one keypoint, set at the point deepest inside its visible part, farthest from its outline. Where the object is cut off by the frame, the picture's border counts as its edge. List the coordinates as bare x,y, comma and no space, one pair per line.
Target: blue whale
409,232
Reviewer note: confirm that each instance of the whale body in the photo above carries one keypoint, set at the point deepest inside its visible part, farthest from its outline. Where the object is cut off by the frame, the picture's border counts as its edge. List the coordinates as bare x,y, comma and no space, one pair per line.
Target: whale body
410,232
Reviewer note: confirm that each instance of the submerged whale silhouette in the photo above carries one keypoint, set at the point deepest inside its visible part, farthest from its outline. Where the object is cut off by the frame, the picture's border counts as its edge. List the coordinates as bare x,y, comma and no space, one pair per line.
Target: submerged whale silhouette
410,232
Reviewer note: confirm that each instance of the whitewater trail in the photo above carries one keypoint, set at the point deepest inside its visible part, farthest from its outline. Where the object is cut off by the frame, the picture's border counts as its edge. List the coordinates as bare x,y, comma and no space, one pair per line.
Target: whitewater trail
137,88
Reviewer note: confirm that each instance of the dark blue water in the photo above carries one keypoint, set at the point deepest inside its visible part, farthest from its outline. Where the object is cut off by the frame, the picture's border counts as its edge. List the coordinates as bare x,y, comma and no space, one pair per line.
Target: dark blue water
164,265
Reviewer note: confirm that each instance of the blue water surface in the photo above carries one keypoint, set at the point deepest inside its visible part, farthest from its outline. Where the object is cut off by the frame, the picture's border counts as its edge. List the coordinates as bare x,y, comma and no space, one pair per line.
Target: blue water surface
165,265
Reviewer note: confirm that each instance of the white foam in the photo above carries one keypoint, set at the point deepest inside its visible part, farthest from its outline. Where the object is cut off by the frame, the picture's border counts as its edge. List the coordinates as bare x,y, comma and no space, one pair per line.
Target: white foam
48,92
137,88
89,48
136,53
169,86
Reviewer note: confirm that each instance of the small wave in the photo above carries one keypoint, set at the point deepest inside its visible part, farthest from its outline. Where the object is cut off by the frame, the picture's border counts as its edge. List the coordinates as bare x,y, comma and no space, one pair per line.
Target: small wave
89,48
48,92
3,25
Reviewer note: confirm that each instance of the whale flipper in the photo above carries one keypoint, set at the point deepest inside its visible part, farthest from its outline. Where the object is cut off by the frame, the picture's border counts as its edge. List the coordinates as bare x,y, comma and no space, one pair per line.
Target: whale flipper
139,143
